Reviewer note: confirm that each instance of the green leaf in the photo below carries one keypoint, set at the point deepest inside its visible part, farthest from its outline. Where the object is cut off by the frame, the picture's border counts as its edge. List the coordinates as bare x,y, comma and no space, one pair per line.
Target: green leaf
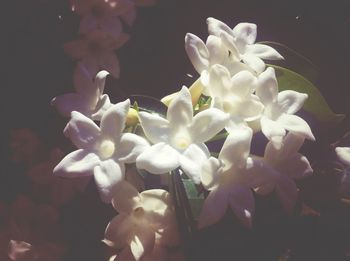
194,196
316,104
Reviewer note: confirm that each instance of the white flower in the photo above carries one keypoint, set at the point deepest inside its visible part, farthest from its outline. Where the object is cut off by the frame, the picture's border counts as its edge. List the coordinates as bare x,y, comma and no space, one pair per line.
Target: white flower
146,220
289,164
241,42
233,95
279,109
88,99
230,179
96,51
102,150
179,139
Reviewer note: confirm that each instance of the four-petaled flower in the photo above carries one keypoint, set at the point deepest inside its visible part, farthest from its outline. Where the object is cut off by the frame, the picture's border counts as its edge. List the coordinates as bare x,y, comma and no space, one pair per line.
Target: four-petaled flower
145,221
102,150
241,42
179,139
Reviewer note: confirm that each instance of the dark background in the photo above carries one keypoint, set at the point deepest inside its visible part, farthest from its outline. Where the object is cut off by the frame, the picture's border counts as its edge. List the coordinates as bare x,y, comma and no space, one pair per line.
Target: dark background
35,69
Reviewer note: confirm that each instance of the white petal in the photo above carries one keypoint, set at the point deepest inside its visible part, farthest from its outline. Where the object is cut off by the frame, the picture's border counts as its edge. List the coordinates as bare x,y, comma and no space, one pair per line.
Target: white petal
236,147
155,127
272,130
248,110
113,120
158,159
217,52
180,111
287,192
109,61
214,208
82,131
83,81
291,101
245,32
125,198
118,231
229,42
343,154
216,27
100,81
216,80
191,161
267,86
243,84
197,52
258,173
142,243
254,62
130,147
78,163
263,51
297,166
297,125
107,175
211,172
69,102
102,106
241,201
206,124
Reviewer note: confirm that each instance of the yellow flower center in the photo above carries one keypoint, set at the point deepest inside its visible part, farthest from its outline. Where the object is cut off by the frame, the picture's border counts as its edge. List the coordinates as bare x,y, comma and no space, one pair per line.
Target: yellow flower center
107,148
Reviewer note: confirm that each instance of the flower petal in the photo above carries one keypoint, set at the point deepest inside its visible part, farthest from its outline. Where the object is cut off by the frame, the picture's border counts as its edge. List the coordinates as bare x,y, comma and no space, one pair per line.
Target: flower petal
113,120
118,231
191,161
206,124
102,106
245,32
20,250
158,159
291,101
267,86
125,198
82,131
214,208
216,81
69,102
107,175
197,52
129,17
78,163
296,125
229,42
243,84
156,200
241,201
236,148
254,62
297,166
263,51
217,52
130,147
211,172
111,25
109,61
156,128
83,81
88,23
216,27
180,111
272,130
142,243
343,154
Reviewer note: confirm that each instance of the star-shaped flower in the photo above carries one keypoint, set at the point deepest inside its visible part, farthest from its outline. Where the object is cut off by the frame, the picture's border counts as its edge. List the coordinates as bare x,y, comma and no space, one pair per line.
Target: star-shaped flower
279,109
179,139
241,42
102,150
290,165
88,99
233,95
146,220
230,180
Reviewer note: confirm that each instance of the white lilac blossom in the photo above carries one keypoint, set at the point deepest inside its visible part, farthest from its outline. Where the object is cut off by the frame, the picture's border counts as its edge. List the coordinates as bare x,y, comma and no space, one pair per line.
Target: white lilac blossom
233,95
102,151
290,165
343,154
146,220
95,51
278,115
230,180
179,139
241,42
88,99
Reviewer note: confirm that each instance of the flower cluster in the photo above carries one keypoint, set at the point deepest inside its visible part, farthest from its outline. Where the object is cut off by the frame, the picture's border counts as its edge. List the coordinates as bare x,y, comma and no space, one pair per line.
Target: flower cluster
236,95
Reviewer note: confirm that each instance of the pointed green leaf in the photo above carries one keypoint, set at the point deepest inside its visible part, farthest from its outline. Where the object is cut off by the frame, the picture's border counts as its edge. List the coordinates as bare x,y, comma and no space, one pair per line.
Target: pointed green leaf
316,104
